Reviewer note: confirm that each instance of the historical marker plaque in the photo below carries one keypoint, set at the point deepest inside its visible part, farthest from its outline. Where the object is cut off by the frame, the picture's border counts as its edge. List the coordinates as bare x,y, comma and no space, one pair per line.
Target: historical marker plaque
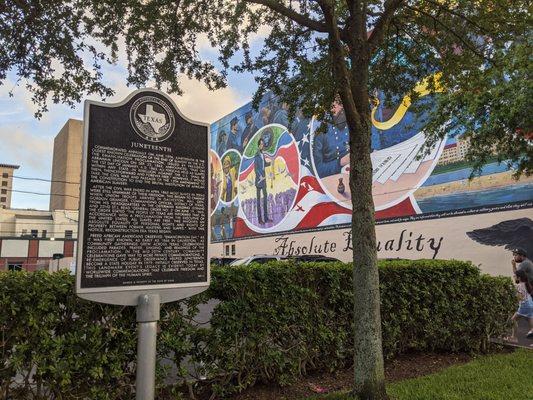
144,201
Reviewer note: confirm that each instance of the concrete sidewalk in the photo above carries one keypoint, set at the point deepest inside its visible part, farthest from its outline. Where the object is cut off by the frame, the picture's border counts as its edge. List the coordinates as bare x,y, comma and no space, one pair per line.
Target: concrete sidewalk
522,340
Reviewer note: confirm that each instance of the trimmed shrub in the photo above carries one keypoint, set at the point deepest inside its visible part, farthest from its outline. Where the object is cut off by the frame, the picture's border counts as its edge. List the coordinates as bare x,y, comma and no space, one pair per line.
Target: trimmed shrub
56,346
277,322
273,323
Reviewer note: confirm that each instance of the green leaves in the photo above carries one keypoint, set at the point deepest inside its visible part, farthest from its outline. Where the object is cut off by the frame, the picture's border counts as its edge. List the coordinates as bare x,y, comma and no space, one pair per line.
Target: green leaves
61,342
491,106
275,323
59,50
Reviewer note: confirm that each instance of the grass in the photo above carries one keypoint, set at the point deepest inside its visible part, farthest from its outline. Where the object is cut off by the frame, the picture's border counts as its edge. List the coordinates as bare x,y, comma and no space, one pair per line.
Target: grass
496,377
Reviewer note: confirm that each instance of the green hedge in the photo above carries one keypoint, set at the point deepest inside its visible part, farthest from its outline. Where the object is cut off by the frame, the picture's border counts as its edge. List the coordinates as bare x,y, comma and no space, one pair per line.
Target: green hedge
274,323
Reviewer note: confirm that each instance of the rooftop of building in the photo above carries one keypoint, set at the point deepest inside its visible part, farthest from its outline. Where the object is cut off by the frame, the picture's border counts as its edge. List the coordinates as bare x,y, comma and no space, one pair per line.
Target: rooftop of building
26,216
2,165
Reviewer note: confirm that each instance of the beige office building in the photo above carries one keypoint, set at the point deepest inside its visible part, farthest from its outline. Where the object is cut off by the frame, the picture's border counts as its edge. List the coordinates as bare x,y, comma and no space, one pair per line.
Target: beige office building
66,167
6,184
38,224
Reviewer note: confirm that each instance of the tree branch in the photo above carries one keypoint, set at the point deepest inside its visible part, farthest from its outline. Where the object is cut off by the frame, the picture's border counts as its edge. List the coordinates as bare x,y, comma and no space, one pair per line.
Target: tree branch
340,72
291,14
461,39
376,36
459,15
357,25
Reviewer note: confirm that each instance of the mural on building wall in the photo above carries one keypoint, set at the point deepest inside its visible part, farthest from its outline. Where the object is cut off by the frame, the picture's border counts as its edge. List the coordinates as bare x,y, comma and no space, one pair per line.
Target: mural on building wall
512,234
271,176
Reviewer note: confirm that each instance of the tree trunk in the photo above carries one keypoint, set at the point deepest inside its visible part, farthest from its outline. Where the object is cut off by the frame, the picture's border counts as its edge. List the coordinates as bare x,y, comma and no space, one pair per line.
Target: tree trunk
369,380
369,383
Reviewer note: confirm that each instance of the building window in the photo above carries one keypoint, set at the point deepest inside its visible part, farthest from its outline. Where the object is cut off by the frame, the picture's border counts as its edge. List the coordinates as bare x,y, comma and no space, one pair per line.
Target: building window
68,234
227,250
5,175
3,191
43,234
4,183
3,199
232,249
14,267
34,233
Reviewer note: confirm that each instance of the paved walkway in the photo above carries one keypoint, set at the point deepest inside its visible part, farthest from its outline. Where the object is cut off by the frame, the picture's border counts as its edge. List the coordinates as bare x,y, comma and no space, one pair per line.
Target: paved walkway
523,341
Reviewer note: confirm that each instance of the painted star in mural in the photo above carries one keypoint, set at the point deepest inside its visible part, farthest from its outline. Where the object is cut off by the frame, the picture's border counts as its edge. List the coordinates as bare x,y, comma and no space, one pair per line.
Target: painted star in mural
304,145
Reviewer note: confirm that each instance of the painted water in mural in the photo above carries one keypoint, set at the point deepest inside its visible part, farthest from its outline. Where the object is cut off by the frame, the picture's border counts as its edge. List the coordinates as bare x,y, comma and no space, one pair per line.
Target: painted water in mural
270,175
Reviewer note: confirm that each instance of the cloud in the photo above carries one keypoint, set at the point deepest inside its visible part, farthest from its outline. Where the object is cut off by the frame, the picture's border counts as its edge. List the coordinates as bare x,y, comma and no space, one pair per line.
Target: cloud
20,102
197,102
19,146
203,105
9,113
30,145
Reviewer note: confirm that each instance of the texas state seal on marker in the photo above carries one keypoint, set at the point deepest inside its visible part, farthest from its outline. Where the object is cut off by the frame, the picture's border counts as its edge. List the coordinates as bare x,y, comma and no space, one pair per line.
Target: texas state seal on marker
152,118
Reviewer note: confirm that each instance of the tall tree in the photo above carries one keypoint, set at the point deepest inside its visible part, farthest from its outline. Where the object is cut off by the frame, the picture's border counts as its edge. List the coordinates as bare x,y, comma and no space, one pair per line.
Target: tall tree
314,53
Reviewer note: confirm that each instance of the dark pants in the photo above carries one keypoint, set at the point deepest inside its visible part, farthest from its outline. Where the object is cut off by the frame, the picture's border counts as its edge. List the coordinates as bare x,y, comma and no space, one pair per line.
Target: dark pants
265,212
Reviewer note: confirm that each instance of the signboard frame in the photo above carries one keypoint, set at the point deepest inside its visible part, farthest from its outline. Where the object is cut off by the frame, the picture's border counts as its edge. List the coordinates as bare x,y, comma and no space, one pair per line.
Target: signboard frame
129,295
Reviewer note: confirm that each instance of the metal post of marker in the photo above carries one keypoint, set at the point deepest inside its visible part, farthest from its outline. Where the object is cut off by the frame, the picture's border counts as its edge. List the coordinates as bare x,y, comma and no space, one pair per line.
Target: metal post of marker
148,315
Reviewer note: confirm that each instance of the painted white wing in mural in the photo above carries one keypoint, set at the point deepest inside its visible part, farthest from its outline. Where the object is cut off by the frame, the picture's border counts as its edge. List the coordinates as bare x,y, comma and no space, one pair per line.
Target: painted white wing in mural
403,158
392,162
397,171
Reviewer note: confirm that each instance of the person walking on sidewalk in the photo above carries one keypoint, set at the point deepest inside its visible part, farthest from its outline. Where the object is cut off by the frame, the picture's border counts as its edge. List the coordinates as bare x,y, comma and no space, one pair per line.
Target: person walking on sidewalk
520,262
525,306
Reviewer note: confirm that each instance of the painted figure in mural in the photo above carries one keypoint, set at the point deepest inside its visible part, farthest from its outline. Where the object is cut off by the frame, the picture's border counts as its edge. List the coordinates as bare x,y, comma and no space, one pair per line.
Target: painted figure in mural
226,223
331,148
249,130
229,181
260,163
234,139
266,114
215,226
222,223
222,143
214,190
299,126
267,135
281,115
219,227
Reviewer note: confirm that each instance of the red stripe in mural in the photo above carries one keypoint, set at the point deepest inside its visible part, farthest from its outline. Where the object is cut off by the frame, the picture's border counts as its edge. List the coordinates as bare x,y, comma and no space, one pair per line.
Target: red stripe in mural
401,209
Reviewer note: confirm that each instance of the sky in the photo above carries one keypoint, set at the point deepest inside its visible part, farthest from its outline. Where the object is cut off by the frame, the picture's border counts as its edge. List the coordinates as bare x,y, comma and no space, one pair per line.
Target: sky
28,142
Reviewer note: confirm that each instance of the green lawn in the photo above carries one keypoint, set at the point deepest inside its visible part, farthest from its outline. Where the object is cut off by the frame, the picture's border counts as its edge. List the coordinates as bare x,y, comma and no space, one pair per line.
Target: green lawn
496,377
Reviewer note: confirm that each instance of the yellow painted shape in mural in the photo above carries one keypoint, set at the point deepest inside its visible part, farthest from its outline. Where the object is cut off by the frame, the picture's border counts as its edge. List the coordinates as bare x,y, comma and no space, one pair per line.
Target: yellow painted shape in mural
421,88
